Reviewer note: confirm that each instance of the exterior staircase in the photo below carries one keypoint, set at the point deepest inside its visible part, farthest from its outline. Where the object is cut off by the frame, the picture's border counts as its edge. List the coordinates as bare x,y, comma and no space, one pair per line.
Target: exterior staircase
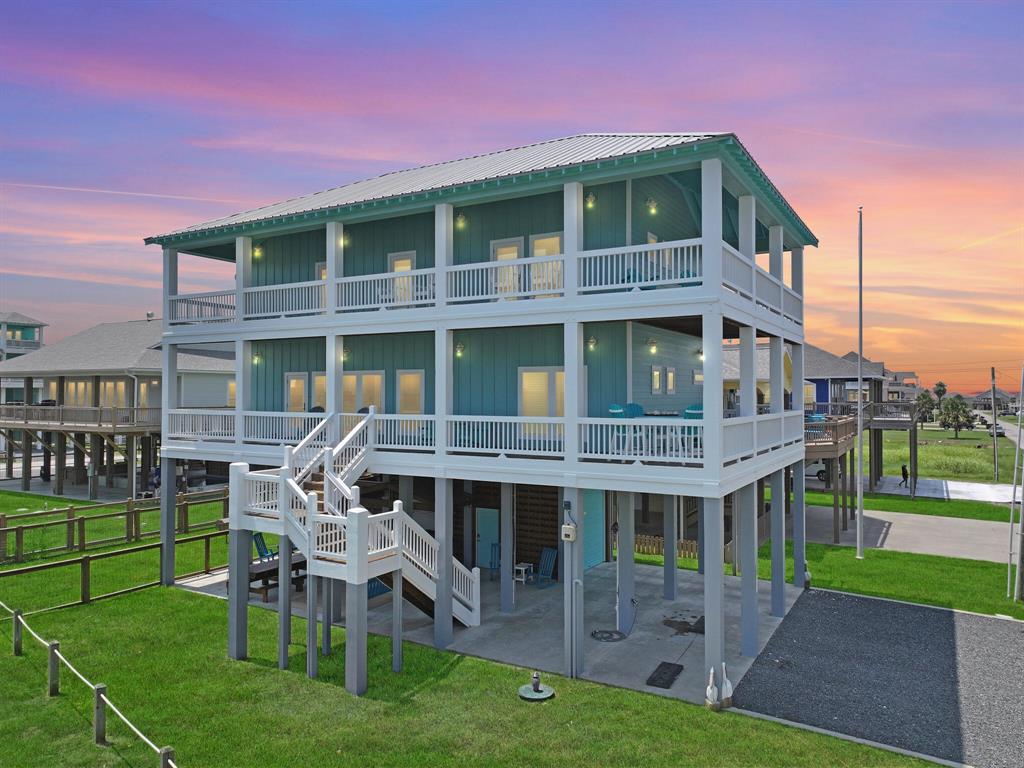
313,498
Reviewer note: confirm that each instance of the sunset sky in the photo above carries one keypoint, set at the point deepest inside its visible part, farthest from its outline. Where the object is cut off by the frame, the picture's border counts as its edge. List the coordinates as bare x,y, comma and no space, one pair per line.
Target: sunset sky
119,121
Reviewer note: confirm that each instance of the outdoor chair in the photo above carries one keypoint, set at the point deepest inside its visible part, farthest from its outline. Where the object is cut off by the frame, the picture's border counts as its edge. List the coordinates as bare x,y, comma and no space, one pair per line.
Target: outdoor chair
266,554
546,568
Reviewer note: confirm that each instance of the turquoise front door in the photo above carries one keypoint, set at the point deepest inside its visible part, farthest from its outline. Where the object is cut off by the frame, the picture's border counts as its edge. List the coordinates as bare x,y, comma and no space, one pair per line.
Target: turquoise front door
593,528
488,532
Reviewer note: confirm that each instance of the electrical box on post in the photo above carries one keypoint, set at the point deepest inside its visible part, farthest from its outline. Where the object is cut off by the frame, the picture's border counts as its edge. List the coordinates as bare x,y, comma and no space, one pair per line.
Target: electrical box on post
568,532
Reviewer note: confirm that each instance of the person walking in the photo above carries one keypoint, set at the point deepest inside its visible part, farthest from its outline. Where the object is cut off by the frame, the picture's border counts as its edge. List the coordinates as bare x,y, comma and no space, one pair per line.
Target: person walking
905,482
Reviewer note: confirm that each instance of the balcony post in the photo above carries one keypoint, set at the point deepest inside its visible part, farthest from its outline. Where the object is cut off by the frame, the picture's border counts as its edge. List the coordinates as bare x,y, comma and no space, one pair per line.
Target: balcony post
444,247
243,270
334,364
168,478
572,584
243,378
712,341
572,235
796,271
335,258
797,351
711,231
442,389
775,251
573,367
170,282
776,373
748,226
748,370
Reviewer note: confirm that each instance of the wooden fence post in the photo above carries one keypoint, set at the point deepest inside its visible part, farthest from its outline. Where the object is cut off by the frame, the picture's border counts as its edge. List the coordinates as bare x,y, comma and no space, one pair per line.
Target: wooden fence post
206,555
224,503
70,515
179,501
129,508
86,578
184,516
81,533
99,714
16,631
3,537
53,668
19,544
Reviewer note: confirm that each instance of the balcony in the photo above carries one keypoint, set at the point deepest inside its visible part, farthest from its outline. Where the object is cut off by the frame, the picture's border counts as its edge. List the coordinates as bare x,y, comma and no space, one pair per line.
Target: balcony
598,274
20,345
67,418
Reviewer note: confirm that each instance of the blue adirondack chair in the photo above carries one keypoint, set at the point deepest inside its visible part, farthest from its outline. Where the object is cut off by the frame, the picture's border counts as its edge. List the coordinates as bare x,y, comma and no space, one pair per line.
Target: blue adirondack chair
266,553
634,410
546,567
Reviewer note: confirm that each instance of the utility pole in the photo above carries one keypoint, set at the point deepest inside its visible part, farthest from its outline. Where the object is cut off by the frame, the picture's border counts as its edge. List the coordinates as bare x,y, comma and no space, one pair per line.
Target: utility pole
1018,445
995,429
860,383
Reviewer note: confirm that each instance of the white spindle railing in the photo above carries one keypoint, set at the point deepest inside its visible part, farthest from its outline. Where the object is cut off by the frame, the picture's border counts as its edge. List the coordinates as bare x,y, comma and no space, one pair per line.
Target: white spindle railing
737,271
278,427
380,532
674,263
506,435
306,456
414,288
261,491
466,589
101,416
342,457
209,307
419,547
668,441
530,278
284,300
401,432
329,539
210,425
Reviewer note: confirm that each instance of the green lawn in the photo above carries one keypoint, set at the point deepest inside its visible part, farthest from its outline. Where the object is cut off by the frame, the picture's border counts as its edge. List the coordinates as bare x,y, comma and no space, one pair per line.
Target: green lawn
974,510
944,456
949,582
162,654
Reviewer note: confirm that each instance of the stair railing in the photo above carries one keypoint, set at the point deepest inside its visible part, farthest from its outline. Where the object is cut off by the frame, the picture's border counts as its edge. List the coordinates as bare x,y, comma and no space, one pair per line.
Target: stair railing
308,454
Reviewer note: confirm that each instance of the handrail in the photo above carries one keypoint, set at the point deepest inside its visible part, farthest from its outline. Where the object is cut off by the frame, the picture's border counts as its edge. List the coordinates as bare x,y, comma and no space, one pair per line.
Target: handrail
645,247
407,273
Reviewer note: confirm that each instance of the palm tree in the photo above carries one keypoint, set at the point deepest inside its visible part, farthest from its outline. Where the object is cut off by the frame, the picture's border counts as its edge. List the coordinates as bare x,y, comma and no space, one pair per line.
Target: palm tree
940,392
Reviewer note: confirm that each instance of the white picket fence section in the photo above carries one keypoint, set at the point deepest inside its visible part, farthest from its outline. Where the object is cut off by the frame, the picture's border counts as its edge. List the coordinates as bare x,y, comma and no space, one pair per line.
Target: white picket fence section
532,437
663,441
285,300
399,432
414,288
208,307
216,425
529,278
677,263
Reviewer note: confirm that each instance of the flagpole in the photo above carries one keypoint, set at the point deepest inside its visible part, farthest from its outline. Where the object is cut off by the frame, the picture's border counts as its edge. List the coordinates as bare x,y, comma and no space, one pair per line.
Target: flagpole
860,383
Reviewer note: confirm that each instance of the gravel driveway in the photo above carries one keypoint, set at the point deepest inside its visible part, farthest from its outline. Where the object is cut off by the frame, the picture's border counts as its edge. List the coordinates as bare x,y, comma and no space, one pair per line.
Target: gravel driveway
934,681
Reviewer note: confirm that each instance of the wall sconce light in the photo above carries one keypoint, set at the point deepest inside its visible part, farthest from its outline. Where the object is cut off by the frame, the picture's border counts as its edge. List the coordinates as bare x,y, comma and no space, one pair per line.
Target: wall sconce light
344,353
459,349
344,240
652,345
590,200
652,206
700,354
591,343
257,251
257,359
460,221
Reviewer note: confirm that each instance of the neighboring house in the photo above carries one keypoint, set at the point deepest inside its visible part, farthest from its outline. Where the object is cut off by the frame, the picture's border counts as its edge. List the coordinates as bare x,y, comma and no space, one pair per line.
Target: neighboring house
902,386
833,379
731,377
100,394
477,333
19,334
982,401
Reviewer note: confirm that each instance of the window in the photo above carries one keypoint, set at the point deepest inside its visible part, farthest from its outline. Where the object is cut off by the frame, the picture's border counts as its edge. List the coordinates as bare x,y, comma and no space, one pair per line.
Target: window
655,379
410,391
670,381
231,393
361,389
51,389
546,276
402,261
320,390
507,250
698,377
541,392
295,392
321,270
112,394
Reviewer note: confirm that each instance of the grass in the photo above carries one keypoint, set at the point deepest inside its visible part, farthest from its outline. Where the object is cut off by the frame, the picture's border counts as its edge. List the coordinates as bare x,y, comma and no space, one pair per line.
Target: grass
972,510
948,582
162,654
941,454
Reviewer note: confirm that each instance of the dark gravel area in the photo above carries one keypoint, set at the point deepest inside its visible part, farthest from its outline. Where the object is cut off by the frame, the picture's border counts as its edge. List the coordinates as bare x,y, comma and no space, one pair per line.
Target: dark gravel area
933,681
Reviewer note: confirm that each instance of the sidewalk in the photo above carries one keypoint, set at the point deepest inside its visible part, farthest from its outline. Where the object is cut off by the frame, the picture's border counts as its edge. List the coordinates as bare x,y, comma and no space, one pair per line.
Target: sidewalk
933,488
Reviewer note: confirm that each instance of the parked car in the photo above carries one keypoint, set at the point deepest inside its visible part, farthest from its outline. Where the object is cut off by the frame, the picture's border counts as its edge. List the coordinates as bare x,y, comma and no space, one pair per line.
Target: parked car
818,469
998,429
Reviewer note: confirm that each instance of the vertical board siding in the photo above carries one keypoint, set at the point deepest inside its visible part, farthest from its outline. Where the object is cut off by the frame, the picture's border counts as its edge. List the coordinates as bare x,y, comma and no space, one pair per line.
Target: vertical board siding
289,258
679,350
369,243
278,357
606,366
391,353
516,217
604,225
676,219
486,378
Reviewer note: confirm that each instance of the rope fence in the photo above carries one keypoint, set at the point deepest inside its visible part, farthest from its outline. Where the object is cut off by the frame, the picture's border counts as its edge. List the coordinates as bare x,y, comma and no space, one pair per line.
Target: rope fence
101,701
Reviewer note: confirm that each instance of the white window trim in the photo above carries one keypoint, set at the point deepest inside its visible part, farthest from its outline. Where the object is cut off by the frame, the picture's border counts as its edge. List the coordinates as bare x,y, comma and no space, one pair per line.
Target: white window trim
561,240
395,255
659,371
359,388
496,244
423,387
670,388
320,269
552,389
227,393
312,389
304,375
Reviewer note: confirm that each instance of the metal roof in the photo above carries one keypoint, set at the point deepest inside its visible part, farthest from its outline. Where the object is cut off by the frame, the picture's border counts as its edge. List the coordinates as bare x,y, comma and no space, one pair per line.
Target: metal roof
542,156
822,364
130,347
16,318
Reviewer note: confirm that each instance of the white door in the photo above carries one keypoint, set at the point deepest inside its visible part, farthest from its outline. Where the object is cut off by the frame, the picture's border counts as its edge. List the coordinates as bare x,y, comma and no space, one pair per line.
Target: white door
546,276
295,392
507,278
362,389
404,261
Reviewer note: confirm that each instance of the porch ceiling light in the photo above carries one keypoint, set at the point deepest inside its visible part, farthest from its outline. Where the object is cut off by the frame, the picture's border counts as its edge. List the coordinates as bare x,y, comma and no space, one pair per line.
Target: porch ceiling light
257,251
652,206
257,359
591,200
653,346
591,343
460,221
459,349
344,353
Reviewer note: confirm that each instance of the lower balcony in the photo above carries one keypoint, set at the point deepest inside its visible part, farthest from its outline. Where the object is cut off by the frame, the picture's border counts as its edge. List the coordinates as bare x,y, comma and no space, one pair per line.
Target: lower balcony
67,418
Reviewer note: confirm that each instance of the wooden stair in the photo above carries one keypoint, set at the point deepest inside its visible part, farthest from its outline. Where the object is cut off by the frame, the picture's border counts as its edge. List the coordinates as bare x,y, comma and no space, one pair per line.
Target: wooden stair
412,595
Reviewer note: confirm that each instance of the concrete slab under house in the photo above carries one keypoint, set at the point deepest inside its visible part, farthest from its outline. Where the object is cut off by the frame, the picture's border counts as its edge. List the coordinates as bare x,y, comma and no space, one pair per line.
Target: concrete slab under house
512,364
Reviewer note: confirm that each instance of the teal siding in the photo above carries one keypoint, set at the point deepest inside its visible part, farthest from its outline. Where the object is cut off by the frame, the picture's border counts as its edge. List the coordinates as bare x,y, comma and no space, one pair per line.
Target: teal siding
368,244
516,217
606,366
594,527
28,332
675,349
288,258
486,377
276,358
391,353
604,225
676,219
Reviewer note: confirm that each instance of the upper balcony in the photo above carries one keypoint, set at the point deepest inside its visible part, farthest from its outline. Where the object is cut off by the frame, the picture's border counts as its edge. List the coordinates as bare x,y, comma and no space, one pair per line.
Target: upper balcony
20,345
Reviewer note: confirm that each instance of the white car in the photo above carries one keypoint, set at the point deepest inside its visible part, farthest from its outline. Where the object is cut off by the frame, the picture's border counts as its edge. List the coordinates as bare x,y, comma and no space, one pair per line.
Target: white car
818,469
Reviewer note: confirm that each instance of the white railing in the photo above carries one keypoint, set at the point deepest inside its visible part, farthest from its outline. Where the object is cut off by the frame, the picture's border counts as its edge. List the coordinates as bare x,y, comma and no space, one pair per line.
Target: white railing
261,491
669,441
358,439
284,300
307,455
419,547
793,426
209,307
400,432
506,435
386,290
20,343
737,271
674,263
99,416
380,534
769,431
768,290
278,427
191,424
329,537
792,305
738,438
466,589
531,278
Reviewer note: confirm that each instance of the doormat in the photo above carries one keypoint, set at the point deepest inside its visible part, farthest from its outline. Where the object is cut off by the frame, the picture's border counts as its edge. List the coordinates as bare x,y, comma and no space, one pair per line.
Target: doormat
683,627
664,675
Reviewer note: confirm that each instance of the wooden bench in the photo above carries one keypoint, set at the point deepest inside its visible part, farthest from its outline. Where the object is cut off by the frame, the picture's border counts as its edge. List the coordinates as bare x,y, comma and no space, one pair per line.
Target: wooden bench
265,572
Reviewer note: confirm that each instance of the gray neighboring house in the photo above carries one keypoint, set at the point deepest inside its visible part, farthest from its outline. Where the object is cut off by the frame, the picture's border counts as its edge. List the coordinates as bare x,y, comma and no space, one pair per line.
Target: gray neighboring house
99,393
983,400
834,378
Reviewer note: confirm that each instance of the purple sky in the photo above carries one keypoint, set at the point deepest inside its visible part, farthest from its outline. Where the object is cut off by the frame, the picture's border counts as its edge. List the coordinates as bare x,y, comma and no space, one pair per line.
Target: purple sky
119,121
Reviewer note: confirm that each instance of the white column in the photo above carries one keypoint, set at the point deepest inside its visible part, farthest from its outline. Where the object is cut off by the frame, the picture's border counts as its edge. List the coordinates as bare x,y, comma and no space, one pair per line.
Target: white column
714,606
625,544
776,372
335,263
168,402
443,634
797,352
243,379
670,531
748,226
170,285
444,248
775,251
442,389
572,585
712,343
711,223
778,523
748,370
574,381
506,559
243,270
799,526
746,501
332,367
796,271
572,234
